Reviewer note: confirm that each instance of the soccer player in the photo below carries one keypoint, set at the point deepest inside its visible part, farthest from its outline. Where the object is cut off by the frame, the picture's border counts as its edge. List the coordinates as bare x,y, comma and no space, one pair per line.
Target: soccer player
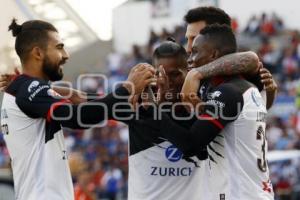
32,114
232,124
198,18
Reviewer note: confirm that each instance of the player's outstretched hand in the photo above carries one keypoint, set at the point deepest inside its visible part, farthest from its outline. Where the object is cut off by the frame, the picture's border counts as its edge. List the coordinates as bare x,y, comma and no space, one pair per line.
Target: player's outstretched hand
189,91
6,79
267,80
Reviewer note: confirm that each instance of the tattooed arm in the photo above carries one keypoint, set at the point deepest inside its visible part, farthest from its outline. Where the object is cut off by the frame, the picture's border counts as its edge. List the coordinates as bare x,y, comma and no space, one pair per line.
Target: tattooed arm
232,64
246,63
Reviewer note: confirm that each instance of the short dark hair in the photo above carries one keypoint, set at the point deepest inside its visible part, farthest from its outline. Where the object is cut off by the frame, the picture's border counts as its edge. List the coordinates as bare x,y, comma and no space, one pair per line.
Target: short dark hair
222,37
210,15
169,49
29,34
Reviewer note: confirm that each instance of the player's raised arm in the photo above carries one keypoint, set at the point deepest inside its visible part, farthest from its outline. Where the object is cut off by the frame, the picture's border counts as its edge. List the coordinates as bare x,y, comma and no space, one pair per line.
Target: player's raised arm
231,64
243,63
224,107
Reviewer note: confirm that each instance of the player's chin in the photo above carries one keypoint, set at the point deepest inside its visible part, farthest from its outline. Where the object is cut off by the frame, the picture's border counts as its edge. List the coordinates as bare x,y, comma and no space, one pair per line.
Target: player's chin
58,76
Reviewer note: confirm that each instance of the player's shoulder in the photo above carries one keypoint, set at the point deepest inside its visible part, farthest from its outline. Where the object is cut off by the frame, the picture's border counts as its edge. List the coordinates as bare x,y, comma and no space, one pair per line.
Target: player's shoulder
231,91
24,85
235,86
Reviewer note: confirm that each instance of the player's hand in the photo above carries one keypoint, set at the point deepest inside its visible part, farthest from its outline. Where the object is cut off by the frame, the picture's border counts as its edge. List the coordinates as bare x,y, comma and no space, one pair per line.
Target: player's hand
162,84
139,77
267,80
189,91
6,79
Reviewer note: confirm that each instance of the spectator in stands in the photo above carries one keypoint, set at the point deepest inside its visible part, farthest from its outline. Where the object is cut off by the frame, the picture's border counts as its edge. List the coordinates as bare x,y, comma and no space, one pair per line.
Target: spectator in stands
273,132
290,63
84,190
234,24
286,140
112,181
154,38
253,26
266,26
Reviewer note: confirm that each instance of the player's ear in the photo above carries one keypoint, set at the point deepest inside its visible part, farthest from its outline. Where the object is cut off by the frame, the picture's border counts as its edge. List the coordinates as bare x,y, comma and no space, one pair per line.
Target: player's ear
37,53
215,54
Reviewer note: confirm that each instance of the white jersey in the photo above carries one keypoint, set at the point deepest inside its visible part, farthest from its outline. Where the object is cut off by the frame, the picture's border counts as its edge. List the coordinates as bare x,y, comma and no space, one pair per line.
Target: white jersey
157,170
237,168
160,173
36,146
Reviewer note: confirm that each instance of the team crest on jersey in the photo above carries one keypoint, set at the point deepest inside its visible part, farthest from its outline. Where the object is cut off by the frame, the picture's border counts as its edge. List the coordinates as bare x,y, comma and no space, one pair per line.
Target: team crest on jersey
173,154
33,85
213,95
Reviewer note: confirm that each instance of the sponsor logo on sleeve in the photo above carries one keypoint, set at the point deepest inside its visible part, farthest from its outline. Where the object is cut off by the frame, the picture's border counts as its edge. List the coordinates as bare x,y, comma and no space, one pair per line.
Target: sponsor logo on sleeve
33,85
38,90
217,103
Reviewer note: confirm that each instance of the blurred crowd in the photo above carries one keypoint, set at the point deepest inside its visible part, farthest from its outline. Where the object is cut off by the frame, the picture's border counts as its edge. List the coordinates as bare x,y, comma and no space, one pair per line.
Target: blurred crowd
99,156
265,25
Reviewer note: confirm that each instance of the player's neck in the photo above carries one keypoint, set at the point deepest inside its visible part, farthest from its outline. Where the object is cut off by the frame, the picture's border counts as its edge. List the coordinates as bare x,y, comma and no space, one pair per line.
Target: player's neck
33,71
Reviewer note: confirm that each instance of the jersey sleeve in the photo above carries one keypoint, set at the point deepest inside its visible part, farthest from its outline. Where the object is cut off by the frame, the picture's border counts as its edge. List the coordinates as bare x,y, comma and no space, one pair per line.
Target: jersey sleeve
36,97
222,107
37,100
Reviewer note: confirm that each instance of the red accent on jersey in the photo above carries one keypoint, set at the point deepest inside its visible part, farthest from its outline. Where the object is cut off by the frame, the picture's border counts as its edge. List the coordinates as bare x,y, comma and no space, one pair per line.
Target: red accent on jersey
212,120
266,186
